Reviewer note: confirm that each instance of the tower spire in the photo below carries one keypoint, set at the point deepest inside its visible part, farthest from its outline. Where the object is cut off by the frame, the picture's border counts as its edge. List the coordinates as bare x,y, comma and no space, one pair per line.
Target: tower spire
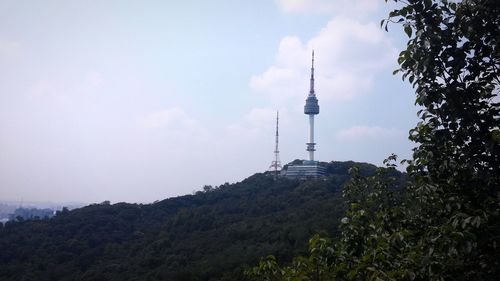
311,91
276,163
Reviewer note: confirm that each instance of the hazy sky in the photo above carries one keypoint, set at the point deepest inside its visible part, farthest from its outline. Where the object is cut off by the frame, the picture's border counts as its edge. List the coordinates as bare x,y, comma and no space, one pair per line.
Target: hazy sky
141,100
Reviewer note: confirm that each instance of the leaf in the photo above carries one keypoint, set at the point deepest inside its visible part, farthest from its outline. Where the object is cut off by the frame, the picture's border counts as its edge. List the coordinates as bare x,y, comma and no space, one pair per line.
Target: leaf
466,221
394,13
408,30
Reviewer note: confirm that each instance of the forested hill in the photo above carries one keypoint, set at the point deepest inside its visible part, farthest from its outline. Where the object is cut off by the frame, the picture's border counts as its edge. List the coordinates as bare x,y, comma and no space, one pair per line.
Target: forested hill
211,235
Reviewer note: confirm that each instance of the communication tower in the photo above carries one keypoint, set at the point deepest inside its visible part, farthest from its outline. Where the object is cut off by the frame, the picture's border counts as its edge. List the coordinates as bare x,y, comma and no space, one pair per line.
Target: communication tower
311,108
309,168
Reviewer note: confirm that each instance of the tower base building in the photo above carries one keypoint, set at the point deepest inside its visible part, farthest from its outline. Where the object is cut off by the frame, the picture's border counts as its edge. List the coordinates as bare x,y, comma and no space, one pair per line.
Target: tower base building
306,170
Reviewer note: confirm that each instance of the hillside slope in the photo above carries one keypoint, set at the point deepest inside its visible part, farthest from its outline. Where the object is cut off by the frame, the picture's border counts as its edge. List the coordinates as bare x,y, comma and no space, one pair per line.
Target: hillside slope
212,235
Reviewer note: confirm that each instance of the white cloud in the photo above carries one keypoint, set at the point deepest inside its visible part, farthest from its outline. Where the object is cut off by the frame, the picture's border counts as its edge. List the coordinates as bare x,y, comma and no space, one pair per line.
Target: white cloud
253,124
369,132
94,78
43,87
54,91
349,54
261,116
257,123
9,48
327,6
172,118
240,131
65,90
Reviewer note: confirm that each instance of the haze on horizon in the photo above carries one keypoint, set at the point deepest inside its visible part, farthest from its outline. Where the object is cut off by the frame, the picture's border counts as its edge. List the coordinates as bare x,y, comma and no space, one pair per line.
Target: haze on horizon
138,101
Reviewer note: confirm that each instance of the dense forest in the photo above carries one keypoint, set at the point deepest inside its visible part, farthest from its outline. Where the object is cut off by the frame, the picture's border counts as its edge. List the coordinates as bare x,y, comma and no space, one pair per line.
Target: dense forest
211,235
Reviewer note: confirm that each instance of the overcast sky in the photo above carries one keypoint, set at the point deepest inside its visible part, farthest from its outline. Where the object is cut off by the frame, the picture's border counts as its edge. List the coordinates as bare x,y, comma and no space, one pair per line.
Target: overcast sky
138,101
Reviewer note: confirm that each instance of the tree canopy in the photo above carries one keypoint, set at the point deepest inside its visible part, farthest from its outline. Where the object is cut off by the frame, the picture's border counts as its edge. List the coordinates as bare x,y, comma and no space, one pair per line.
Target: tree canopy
211,235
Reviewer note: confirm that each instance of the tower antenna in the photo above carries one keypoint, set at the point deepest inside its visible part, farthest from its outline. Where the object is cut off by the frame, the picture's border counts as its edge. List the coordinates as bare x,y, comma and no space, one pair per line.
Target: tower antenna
276,163
311,89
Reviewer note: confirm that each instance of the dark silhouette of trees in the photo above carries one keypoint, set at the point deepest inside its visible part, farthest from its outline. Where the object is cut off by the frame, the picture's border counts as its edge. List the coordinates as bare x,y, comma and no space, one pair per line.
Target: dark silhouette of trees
212,235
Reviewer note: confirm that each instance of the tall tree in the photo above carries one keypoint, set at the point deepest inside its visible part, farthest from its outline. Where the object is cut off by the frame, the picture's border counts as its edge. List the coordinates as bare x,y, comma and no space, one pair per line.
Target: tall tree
447,224
453,61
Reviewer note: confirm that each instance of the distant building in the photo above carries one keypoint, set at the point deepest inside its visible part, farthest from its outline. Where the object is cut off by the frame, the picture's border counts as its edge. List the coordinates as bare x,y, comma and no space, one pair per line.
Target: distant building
306,170
309,168
31,213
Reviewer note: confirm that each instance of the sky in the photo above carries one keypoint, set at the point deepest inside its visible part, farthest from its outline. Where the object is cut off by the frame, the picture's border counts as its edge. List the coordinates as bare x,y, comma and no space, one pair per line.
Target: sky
137,101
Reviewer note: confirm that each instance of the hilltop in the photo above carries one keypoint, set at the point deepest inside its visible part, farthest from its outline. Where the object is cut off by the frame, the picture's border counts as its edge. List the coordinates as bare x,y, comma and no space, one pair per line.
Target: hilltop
210,235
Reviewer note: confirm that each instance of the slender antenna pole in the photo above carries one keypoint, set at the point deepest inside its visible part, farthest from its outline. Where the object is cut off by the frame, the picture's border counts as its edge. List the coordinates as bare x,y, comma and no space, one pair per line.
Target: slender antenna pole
276,163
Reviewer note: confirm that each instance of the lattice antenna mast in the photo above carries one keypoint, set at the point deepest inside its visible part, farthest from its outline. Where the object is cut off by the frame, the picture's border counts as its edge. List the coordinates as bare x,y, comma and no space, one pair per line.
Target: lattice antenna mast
276,163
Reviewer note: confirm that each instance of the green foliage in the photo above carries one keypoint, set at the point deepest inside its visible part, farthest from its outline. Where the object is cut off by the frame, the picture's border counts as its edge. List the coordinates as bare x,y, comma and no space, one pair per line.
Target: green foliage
212,235
369,231
446,224
317,266
453,61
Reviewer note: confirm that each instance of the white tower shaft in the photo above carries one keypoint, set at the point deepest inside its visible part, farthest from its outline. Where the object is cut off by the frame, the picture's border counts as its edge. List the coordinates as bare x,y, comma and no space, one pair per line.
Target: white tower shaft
311,137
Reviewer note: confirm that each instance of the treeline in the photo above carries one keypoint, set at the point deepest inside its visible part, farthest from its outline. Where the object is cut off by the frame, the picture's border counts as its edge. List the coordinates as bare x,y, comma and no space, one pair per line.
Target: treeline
212,235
